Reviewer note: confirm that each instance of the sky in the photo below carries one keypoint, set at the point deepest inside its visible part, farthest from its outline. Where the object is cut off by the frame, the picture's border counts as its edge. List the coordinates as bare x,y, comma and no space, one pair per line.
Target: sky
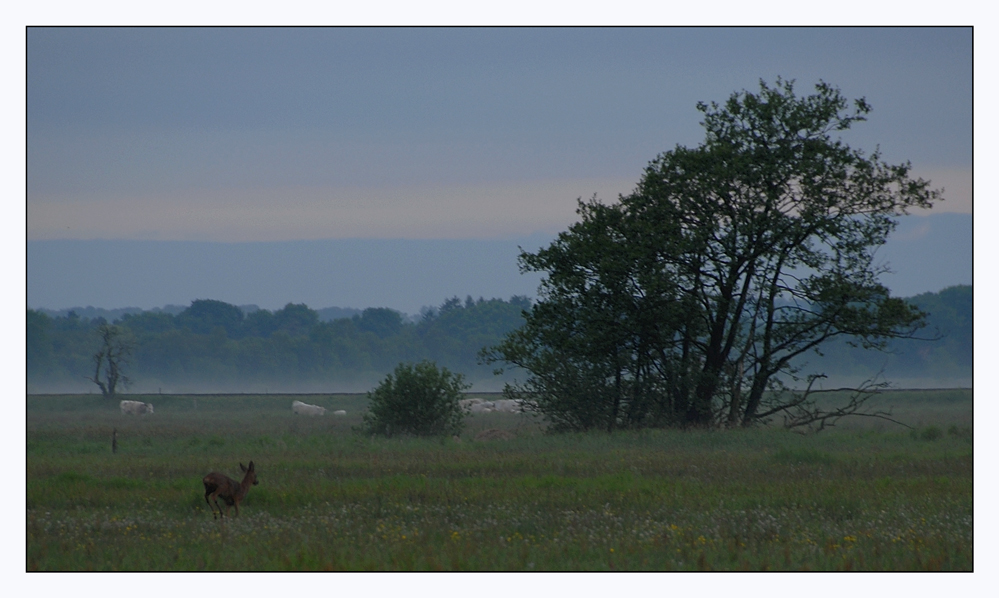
291,134
263,139
926,254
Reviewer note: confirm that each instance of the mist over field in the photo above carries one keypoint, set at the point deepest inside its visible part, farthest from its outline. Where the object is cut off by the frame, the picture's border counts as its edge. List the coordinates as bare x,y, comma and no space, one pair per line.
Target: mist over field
276,386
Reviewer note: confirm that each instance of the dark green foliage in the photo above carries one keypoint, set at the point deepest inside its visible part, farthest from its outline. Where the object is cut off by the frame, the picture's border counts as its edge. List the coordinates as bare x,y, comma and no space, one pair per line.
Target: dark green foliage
690,301
149,322
380,321
259,323
419,400
929,433
205,315
39,344
960,432
60,348
208,345
942,350
293,319
951,319
328,314
296,319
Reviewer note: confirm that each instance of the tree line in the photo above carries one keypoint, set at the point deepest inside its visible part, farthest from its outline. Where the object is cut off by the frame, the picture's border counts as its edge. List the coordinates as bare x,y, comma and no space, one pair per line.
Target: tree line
942,351
216,345
61,349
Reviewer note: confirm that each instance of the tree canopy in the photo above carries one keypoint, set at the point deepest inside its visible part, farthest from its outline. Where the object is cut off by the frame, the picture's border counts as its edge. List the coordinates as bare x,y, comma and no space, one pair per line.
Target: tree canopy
211,346
692,300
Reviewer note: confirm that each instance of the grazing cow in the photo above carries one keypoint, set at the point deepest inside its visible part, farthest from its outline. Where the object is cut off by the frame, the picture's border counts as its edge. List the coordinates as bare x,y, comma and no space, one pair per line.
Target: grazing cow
340,412
483,407
135,407
300,408
231,492
467,403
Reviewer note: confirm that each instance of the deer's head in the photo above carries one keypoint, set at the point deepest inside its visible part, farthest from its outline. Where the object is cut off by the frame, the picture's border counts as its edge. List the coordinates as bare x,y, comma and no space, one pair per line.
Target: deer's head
250,473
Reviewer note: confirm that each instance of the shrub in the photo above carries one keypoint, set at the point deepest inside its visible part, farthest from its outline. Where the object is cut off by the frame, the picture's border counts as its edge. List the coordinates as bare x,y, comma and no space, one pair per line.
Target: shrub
929,433
960,432
420,400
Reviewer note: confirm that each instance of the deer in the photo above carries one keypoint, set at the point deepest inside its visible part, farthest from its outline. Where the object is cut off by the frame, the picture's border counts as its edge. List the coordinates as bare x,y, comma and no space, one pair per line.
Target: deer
218,485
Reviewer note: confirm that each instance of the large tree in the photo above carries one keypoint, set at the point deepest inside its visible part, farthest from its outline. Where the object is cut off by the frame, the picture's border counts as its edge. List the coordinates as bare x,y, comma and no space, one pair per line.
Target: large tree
693,300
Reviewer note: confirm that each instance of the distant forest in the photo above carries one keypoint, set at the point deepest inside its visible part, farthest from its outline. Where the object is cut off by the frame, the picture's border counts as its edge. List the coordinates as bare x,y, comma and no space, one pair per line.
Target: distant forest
940,357
212,346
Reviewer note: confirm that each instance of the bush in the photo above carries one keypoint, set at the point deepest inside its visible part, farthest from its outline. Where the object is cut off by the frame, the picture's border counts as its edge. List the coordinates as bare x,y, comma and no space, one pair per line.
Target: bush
929,433
960,432
419,400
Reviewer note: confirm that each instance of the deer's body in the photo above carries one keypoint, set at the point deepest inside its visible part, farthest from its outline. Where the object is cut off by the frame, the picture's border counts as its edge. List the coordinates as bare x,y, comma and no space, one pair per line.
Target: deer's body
231,492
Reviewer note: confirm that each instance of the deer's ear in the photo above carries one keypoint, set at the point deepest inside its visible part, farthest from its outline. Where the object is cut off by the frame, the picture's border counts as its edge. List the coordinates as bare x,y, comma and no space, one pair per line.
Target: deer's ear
243,468
251,465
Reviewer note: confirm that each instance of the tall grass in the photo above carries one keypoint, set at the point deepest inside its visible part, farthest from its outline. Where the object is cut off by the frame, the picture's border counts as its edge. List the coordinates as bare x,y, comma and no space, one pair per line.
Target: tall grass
330,499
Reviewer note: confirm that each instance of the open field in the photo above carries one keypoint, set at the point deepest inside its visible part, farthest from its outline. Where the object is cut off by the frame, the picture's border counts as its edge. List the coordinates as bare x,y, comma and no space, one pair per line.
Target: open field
868,495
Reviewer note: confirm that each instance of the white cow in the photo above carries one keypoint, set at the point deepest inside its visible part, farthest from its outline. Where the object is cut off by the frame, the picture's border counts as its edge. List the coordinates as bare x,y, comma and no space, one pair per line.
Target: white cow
467,403
500,405
135,407
340,412
300,408
508,405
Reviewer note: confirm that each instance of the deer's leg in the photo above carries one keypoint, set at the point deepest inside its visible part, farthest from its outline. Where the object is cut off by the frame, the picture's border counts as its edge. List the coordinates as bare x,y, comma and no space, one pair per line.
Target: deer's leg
215,499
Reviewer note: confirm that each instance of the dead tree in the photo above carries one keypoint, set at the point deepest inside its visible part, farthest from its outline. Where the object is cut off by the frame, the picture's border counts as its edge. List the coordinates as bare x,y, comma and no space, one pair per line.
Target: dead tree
111,359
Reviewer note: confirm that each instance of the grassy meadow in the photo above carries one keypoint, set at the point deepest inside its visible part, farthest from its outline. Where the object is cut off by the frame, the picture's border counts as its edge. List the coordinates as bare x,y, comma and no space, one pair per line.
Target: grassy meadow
866,495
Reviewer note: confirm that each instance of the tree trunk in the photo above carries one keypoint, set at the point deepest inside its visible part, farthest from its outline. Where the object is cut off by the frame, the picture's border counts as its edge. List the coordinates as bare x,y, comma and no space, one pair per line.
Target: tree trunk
735,404
755,396
617,400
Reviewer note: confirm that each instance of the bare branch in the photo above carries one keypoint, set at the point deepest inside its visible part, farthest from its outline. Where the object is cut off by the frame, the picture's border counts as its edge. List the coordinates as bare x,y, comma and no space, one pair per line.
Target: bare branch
805,413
